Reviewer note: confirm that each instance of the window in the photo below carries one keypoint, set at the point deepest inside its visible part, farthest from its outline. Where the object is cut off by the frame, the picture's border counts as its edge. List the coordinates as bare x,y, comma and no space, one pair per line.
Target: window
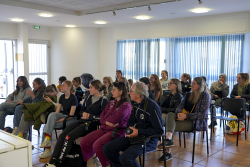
38,62
207,56
138,58
7,82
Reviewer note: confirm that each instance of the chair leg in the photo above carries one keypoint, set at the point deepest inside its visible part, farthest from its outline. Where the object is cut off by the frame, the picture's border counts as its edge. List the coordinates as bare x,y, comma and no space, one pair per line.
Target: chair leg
223,128
140,159
207,142
193,147
212,129
56,135
203,134
164,152
184,138
238,132
248,121
38,133
180,138
245,127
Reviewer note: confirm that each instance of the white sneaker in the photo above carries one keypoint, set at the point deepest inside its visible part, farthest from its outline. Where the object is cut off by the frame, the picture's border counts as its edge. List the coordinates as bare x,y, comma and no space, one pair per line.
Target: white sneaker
49,165
46,143
15,131
97,162
47,153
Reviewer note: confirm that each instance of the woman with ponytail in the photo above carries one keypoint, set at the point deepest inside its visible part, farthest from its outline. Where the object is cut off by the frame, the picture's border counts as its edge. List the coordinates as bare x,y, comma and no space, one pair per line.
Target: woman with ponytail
185,83
68,102
164,80
93,106
242,88
77,81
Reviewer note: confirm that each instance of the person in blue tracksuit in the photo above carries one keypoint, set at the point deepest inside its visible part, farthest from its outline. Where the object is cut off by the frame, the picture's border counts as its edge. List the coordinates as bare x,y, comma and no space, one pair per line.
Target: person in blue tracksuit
145,120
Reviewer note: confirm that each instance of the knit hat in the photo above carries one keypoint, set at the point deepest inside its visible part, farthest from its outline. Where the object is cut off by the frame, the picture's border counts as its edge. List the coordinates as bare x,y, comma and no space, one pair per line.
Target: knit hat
224,76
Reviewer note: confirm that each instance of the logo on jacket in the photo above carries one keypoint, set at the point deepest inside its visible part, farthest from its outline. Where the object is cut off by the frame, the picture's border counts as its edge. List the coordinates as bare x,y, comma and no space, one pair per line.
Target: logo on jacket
142,116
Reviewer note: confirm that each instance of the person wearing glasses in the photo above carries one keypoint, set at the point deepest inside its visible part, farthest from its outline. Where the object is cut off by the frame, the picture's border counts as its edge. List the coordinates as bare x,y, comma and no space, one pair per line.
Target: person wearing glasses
194,105
145,120
115,115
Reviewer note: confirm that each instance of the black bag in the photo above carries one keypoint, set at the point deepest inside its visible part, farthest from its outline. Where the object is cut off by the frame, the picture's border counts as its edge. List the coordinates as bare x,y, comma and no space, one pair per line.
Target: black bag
141,138
74,158
86,79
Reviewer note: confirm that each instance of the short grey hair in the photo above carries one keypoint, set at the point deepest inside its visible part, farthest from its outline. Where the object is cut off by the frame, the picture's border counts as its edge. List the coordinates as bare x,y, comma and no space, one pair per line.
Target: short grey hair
141,89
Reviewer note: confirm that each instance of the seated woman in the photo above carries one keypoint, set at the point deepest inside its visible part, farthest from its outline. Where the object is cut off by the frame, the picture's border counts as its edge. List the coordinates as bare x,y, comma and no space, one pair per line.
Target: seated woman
185,83
35,96
109,84
24,125
77,81
164,80
155,87
218,90
116,114
55,119
194,105
242,89
8,107
93,106
123,79
172,98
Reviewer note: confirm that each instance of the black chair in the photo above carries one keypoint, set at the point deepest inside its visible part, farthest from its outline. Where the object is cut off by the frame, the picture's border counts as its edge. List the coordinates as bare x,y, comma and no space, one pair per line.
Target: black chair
235,107
195,130
142,156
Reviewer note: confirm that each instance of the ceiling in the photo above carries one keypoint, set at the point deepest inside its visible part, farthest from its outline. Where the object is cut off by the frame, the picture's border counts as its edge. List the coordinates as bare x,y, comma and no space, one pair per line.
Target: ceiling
76,11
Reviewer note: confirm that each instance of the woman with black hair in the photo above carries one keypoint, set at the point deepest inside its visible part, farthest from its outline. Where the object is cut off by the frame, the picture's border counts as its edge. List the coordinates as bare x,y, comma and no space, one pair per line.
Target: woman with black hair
21,92
34,96
116,114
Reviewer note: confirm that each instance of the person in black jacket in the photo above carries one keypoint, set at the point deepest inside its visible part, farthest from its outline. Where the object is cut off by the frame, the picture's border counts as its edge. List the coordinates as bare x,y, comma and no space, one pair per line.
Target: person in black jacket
185,83
242,88
145,120
170,101
93,105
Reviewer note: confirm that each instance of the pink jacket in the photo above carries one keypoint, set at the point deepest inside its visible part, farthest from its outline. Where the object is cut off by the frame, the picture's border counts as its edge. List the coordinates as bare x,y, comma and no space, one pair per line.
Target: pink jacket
115,115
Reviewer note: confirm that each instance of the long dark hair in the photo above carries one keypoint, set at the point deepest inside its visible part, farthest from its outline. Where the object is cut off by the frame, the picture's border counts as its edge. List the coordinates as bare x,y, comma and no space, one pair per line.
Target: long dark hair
124,96
39,81
25,84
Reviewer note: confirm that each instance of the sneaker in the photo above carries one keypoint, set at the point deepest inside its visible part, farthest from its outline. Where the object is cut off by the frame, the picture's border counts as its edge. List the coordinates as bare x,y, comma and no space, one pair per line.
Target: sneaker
15,131
214,124
46,143
49,165
47,153
168,143
168,156
97,162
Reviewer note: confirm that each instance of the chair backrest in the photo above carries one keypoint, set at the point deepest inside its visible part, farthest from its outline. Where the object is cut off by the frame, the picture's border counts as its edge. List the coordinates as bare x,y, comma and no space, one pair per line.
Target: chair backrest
233,105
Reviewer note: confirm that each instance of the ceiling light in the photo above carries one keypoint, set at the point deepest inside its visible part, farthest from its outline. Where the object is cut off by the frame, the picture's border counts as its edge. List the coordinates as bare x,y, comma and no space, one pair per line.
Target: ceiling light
17,19
100,22
142,17
149,8
45,15
70,26
200,10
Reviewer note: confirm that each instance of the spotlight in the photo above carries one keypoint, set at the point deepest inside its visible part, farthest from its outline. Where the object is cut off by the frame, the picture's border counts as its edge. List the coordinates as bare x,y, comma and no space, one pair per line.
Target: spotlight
114,13
149,8
200,2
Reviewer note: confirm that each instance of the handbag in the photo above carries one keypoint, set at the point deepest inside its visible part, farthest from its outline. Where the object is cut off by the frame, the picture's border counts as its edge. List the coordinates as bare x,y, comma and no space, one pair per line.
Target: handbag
185,111
140,139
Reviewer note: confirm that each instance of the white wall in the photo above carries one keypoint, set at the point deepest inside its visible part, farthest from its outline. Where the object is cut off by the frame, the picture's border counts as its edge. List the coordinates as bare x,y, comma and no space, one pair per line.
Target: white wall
8,31
39,34
74,51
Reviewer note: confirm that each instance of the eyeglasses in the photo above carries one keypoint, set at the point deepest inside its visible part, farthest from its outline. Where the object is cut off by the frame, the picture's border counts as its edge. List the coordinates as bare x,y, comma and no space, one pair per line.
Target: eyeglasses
170,83
193,83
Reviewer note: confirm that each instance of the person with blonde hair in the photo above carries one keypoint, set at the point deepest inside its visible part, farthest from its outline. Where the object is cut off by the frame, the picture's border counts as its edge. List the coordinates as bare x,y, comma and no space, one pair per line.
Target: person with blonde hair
164,80
155,87
109,84
55,119
195,105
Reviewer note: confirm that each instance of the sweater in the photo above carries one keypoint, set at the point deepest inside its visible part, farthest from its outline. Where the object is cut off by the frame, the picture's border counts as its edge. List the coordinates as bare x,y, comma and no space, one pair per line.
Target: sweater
224,88
200,111
115,115
164,84
22,94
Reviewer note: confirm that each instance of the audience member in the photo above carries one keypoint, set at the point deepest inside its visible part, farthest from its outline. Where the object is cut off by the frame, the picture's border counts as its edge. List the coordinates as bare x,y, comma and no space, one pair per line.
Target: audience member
146,81
185,83
164,80
118,75
60,81
109,84
155,87
77,81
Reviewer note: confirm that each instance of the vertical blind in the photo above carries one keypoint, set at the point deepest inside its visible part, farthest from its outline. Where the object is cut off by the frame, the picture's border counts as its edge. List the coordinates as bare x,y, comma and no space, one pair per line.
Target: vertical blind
38,62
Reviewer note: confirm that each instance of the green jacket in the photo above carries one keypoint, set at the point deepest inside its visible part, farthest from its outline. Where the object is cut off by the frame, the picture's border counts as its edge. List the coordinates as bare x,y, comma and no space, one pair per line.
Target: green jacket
33,111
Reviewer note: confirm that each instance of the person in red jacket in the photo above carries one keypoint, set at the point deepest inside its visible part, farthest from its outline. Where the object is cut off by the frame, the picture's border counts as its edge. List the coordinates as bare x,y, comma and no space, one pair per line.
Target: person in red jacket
116,114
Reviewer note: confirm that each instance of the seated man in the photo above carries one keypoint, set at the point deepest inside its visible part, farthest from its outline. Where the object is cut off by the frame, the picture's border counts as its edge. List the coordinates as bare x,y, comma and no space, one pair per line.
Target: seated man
145,120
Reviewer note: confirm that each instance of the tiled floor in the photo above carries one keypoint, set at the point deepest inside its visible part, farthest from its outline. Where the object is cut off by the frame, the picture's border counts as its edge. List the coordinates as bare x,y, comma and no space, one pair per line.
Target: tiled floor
222,151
